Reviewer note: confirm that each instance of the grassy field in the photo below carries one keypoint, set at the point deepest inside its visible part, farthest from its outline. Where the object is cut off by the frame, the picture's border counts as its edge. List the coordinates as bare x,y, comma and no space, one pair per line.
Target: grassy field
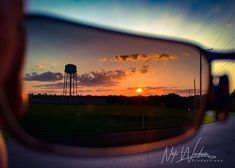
49,119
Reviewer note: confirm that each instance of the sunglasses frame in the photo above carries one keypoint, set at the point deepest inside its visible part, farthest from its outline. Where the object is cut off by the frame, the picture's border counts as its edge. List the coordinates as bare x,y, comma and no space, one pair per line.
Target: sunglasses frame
28,140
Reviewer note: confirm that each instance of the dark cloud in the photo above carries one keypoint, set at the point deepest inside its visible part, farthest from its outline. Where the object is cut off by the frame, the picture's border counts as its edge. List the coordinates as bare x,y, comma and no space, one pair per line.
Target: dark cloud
133,57
85,91
144,69
60,85
144,57
133,70
104,78
44,77
155,88
164,55
94,78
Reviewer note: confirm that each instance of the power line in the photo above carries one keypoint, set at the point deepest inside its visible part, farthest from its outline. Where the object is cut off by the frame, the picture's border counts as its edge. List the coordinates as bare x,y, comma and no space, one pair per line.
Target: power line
228,63
225,27
226,45
225,66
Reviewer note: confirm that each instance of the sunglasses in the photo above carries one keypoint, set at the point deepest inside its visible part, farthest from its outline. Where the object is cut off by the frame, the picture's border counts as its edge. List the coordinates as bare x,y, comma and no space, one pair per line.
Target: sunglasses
98,92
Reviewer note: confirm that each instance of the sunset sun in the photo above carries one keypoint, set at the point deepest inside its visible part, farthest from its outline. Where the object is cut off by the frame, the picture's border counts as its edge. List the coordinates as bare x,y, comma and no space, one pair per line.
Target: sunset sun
139,90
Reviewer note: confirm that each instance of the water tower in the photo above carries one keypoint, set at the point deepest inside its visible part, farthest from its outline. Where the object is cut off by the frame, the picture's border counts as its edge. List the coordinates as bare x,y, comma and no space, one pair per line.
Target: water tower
70,83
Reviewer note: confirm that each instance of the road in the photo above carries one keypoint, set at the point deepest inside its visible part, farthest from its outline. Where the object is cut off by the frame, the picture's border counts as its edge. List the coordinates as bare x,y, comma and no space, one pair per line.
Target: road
218,139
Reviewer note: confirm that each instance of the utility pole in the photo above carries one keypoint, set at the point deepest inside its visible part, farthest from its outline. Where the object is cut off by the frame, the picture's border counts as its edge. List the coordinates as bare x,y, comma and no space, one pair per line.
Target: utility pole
143,121
194,88
201,70
200,84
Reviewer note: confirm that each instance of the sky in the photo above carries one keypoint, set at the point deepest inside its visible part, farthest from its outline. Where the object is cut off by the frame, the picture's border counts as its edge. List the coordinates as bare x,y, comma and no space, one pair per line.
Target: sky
120,66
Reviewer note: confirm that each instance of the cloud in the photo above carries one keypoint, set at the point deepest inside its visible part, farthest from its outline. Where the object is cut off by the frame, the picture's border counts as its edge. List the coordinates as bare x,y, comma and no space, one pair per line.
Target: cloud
60,85
104,78
132,70
168,90
144,69
185,91
103,59
52,66
103,90
148,88
144,57
44,77
38,67
108,78
94,78
156,88
186,54
161,90
57,85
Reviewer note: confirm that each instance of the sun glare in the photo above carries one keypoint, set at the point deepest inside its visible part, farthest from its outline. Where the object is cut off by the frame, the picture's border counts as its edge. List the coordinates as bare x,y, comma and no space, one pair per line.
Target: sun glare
139,90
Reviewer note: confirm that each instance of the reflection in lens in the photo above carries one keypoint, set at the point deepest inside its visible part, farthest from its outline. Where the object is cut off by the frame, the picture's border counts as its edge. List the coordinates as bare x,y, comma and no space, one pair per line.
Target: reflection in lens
94,88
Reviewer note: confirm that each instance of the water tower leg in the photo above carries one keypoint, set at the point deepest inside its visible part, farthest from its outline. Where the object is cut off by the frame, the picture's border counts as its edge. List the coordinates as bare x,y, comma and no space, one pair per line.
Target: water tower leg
66,86
76,85
76,88
73,89
73,84
64,90
70,85
70,89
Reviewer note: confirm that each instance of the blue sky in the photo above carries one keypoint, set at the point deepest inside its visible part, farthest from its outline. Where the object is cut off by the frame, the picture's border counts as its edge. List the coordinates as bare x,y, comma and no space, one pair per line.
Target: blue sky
200,21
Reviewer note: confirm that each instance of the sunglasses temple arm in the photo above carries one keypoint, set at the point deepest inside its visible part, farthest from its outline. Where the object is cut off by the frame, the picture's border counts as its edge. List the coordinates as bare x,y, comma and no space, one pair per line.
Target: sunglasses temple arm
219,56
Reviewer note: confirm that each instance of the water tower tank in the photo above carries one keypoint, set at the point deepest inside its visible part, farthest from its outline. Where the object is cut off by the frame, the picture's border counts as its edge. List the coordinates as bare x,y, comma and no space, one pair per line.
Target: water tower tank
70,69
70,83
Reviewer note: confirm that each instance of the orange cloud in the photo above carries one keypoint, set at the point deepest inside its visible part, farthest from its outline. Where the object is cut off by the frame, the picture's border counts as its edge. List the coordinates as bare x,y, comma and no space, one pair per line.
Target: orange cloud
144,57
38,67
144,69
